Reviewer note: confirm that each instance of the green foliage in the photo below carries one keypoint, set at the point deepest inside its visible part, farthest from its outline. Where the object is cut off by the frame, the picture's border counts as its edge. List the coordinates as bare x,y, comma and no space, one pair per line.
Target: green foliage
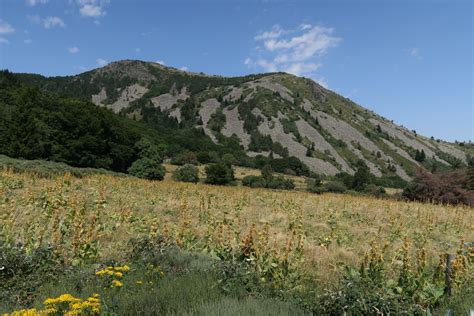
290,127
282,165
334,187
48,169
217,121
185,157
23,272
420,156
219,173
362,177
314,185
254,182
267,173
186,173
147,168
38,125
279,182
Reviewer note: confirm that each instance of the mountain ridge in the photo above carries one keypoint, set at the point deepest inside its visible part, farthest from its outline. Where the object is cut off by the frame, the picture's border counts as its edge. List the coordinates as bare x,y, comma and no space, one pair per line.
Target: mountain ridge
272,114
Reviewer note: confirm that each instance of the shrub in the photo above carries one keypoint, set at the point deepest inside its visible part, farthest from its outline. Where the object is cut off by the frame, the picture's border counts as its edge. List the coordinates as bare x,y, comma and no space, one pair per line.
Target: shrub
219,173
314,185
187,173
147,168
375,190
446,187
186,157
334,187
254,182
281,183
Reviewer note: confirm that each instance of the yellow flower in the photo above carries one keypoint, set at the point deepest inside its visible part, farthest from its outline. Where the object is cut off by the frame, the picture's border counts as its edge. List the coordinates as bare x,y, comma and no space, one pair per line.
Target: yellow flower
139,282
117,283
118,274
123,268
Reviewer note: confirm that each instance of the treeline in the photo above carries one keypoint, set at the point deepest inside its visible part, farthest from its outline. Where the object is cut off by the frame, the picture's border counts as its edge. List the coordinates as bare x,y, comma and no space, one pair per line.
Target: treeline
39,125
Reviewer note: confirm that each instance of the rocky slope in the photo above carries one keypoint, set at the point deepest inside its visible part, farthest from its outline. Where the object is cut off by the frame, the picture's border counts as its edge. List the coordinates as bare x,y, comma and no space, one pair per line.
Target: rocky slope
326,131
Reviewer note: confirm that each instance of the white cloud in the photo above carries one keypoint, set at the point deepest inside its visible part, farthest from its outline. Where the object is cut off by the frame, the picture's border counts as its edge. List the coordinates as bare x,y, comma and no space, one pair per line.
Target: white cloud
414,52
101,62
275,32
138,50
92,8
27,41
73,50
4,41
184,68
6,28
299,69
160,62
91,11
297,51
35,2
52,21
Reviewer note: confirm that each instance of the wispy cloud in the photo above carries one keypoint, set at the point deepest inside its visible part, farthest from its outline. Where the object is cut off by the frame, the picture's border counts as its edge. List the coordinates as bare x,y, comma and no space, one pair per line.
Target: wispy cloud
53,21
275,32
160,62
6,28
101,62
92,8
73,50
297,51
32,3
4,41
27,41
48,22
184,68
138,50
414,52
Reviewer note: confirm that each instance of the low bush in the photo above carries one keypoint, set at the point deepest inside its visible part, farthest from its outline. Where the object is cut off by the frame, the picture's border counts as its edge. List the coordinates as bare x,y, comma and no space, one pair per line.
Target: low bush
186,173
254,182
147,168
334,187
280,182
220,174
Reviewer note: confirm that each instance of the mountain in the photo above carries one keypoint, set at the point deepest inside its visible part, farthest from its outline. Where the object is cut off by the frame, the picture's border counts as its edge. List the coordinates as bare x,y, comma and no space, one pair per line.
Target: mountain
272,114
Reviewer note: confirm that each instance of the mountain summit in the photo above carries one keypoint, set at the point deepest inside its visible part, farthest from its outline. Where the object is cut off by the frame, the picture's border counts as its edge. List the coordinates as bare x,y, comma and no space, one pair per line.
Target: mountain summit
272,114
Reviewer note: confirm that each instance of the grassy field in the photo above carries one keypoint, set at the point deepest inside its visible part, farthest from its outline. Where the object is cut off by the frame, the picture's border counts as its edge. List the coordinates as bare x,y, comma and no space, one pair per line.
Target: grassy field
295,242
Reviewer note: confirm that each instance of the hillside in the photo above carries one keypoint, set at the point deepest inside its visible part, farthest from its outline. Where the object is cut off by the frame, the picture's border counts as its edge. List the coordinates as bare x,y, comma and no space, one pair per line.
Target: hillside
274,114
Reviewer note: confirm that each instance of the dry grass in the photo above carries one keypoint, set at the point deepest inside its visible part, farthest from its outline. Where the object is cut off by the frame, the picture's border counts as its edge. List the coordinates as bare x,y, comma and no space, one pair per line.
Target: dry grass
101,213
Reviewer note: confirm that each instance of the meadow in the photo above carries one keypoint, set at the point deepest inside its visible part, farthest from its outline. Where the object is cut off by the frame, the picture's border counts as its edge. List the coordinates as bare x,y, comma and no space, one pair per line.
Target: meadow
298,245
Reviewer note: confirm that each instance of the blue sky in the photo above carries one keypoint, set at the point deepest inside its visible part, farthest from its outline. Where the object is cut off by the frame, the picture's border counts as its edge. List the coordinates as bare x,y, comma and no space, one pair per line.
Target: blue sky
410,61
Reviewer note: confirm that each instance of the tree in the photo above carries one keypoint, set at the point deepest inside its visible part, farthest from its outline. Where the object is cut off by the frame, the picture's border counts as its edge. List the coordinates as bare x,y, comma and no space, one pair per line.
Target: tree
228,159
219,173
420,156
314,184
267,173
362,177
186,173
147,168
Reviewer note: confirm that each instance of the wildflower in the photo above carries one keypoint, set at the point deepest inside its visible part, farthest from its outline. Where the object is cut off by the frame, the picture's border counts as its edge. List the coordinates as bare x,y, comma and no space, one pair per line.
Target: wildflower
139,282
118,274
117,283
